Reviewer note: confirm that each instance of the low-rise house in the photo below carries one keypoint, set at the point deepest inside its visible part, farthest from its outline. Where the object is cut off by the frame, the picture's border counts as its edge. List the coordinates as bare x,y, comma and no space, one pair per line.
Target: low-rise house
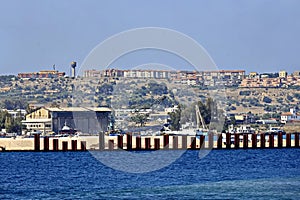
290,116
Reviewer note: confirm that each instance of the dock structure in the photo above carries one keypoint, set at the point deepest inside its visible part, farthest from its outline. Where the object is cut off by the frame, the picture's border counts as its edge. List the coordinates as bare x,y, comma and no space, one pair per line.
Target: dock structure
131,142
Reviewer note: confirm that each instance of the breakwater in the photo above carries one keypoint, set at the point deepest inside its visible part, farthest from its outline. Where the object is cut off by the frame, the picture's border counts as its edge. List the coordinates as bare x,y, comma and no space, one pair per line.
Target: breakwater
133,142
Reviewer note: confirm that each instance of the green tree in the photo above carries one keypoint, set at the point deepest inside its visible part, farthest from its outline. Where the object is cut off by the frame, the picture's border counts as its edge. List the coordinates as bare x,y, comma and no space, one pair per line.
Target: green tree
140,119
3,116
267,99
175,119
232,120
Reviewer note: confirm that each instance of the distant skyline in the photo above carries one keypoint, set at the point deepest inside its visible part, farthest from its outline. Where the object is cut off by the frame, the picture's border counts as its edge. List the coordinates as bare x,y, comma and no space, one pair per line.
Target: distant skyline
254,35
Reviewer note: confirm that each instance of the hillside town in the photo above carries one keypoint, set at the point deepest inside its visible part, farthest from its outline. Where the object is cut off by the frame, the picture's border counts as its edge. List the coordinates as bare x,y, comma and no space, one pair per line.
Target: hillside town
261,100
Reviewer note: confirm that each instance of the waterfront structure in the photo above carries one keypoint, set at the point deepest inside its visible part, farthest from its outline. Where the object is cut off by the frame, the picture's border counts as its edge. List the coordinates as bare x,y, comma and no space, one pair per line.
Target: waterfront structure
52,119
42,74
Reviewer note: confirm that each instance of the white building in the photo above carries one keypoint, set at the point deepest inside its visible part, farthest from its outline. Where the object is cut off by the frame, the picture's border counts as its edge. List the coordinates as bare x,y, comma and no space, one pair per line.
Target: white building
16,113
290,116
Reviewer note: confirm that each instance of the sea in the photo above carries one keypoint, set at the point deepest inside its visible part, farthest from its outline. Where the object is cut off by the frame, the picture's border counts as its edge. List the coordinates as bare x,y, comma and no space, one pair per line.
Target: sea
222,174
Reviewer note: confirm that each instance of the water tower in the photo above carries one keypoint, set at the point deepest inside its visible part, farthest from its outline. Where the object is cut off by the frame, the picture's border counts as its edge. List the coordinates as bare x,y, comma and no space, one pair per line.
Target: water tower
73,66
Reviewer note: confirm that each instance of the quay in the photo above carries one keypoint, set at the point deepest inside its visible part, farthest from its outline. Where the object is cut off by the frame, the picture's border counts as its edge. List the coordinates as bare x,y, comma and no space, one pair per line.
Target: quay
130,142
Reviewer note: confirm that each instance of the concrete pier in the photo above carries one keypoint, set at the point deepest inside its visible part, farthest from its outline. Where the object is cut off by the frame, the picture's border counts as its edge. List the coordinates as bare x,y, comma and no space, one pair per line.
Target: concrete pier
166,142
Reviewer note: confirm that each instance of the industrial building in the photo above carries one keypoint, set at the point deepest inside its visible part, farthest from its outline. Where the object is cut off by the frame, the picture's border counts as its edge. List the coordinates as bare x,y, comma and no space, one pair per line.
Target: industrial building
52,119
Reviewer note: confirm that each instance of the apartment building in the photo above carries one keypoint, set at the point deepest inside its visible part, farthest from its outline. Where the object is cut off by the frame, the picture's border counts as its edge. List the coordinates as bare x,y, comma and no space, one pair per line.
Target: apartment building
208,78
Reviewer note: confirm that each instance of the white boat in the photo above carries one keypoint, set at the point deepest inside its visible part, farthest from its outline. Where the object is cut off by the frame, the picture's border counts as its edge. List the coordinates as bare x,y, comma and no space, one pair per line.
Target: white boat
243,129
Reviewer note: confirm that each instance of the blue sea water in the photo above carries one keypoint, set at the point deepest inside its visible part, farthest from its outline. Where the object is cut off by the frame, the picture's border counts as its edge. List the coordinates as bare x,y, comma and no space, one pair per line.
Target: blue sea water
223,174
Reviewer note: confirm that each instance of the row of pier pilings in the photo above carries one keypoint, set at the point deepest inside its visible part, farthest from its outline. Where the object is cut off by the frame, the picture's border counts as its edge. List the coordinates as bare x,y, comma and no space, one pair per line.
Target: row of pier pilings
231,141
55,144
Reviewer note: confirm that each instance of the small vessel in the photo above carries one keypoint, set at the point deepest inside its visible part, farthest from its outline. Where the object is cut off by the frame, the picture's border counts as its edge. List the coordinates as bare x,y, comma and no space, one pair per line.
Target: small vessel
241,130
66,130
201,128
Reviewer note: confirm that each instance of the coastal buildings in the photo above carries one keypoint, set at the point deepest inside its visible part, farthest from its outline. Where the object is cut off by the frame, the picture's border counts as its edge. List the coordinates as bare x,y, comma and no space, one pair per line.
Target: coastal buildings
205,78
42,74
282,80
52,119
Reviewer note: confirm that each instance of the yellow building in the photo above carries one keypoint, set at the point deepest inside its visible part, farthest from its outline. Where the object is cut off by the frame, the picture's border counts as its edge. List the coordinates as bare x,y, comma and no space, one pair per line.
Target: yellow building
253,75
38,121
283,74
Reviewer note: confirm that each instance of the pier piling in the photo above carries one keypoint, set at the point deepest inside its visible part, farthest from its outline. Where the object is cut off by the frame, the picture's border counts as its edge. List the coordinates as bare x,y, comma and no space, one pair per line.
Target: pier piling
83,145
101,141
129,141
46,143
193,143
236,141
111,145
210,140
245,141
228,140
156,143
74,145
288,140
296,139
36,142
184,142
120,141
175,142
202,141
55,144
262,140
219,142
166,141
147,143
254,141
65,145
279,138
138,142
271,141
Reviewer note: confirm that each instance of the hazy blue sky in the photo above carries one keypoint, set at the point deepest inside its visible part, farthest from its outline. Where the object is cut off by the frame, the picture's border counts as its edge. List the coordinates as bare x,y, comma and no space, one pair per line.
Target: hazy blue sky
256,35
